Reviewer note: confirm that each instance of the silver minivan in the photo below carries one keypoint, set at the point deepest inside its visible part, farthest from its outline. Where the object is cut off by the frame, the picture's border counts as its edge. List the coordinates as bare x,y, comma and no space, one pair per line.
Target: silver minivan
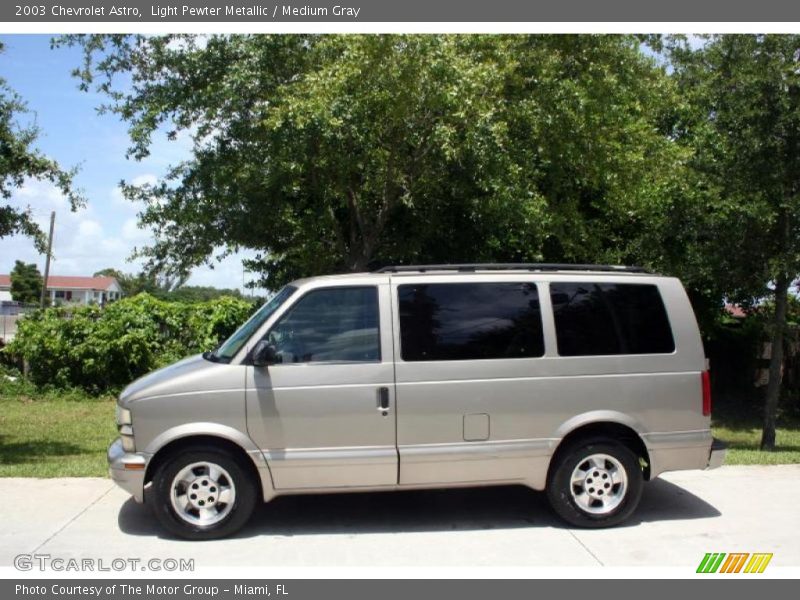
581,380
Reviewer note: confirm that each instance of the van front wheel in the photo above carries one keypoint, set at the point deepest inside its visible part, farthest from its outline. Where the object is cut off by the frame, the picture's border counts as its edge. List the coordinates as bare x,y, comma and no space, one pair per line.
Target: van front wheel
595,483
202,494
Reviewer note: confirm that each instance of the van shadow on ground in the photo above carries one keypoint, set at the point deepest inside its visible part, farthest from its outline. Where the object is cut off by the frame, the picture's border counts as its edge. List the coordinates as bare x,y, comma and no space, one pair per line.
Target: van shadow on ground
488,508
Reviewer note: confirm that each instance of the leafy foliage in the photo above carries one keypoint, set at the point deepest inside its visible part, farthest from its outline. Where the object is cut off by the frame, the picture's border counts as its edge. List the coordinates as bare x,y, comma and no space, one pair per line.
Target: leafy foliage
103,349
201,293
155,284
335,153
26,283
742,122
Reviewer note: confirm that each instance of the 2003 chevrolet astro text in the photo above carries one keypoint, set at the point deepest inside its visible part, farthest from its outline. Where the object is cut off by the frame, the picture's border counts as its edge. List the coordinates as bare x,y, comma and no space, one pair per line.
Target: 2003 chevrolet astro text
89,11
581,380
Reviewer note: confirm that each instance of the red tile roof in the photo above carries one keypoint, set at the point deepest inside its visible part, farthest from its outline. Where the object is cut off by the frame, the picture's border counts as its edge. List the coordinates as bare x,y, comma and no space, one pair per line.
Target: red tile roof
735,311
69,282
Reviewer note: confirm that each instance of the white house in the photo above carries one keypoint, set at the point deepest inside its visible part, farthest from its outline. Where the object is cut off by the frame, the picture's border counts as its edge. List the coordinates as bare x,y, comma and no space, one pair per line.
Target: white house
73,289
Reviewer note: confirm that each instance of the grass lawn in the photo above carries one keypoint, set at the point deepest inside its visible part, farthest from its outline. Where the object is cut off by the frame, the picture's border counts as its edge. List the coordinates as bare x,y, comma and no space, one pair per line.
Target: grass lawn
53,434
743,445
738,423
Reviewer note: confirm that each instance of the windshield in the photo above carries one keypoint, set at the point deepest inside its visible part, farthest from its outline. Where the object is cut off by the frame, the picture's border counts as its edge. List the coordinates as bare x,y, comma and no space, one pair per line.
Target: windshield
233,344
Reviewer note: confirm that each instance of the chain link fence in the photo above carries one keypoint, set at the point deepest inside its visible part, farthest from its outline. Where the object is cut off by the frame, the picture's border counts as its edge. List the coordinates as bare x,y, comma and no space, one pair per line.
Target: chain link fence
10,314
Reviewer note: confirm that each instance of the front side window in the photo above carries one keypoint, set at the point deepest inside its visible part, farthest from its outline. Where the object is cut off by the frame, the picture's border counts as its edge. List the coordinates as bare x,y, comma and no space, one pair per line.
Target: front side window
594,319
329,325
234,343
469,321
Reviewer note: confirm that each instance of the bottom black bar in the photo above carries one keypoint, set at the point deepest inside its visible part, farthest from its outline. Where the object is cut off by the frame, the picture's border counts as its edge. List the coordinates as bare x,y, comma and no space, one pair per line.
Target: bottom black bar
383,589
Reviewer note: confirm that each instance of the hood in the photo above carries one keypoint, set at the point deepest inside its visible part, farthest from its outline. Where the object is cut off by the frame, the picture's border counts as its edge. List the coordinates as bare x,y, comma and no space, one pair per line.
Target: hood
187,375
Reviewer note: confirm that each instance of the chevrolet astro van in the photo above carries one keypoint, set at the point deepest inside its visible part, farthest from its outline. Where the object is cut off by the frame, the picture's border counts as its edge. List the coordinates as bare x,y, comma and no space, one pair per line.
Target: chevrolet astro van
581,380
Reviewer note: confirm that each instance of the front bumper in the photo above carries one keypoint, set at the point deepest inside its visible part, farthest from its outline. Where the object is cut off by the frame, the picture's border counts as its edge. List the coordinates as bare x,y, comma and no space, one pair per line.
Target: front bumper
127,470
717,454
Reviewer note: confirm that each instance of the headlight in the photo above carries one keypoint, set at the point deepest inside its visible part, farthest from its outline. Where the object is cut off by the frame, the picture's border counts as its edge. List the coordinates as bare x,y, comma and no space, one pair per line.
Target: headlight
123,416
125,428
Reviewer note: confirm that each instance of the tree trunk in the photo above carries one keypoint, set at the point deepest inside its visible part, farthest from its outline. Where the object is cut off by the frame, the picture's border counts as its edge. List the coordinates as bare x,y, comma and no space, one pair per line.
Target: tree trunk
359,263
775,363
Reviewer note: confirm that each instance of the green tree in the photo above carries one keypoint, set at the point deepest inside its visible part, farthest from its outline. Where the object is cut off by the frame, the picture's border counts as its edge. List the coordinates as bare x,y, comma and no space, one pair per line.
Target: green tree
200,293
334,153
26,283
165,288
743,125
20,160
152,283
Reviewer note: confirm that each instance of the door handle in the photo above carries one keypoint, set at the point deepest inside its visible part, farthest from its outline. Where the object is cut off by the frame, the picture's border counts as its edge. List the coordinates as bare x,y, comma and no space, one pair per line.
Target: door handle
383,399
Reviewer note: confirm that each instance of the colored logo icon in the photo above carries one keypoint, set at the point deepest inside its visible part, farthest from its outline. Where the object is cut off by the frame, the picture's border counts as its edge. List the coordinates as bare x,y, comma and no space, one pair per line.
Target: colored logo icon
734,562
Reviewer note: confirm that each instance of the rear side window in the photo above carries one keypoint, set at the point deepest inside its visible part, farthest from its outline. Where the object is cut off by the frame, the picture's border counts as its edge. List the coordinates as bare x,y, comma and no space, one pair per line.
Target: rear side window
469,321
610,318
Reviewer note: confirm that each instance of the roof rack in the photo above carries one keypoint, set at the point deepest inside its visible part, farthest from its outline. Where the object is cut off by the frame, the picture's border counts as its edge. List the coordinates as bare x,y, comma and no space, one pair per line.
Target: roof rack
472,267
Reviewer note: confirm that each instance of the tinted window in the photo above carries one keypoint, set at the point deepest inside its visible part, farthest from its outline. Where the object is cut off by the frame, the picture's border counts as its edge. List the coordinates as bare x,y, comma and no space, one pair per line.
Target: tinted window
234,343
609,318
330,325
466,321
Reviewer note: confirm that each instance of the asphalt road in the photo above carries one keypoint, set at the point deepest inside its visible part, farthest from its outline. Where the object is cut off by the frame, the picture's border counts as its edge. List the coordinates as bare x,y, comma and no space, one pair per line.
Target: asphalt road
681,517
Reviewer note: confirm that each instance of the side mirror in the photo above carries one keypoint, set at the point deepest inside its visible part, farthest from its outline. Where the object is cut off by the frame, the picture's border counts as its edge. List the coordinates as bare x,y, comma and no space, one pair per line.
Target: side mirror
264,354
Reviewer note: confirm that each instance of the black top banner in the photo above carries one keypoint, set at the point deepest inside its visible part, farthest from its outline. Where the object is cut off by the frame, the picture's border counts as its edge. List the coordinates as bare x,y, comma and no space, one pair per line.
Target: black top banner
367,11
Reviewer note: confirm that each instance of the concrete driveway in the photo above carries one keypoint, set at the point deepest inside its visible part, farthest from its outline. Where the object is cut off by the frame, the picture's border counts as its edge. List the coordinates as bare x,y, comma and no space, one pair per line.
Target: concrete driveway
682,516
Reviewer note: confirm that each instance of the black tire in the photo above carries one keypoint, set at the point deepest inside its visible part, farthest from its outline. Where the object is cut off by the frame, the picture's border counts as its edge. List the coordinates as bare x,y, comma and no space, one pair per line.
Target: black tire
237,515
560,490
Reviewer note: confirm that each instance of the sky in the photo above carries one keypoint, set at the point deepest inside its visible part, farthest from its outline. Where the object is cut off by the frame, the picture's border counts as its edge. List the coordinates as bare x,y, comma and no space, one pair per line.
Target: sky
104,232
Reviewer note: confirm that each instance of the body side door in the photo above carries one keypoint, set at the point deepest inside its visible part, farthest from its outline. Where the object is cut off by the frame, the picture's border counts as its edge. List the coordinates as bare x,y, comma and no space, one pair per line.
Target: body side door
317,413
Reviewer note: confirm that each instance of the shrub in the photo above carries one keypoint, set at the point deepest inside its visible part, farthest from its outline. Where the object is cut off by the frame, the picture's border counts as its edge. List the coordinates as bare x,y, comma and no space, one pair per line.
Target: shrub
103,349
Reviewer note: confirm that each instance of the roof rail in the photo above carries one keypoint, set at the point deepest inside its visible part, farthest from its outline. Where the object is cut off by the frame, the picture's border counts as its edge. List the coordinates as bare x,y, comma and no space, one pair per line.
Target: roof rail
472,267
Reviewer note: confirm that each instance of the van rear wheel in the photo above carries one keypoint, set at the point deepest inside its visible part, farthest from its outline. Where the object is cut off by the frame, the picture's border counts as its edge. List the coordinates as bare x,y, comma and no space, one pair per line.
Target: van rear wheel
595,483
203,494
